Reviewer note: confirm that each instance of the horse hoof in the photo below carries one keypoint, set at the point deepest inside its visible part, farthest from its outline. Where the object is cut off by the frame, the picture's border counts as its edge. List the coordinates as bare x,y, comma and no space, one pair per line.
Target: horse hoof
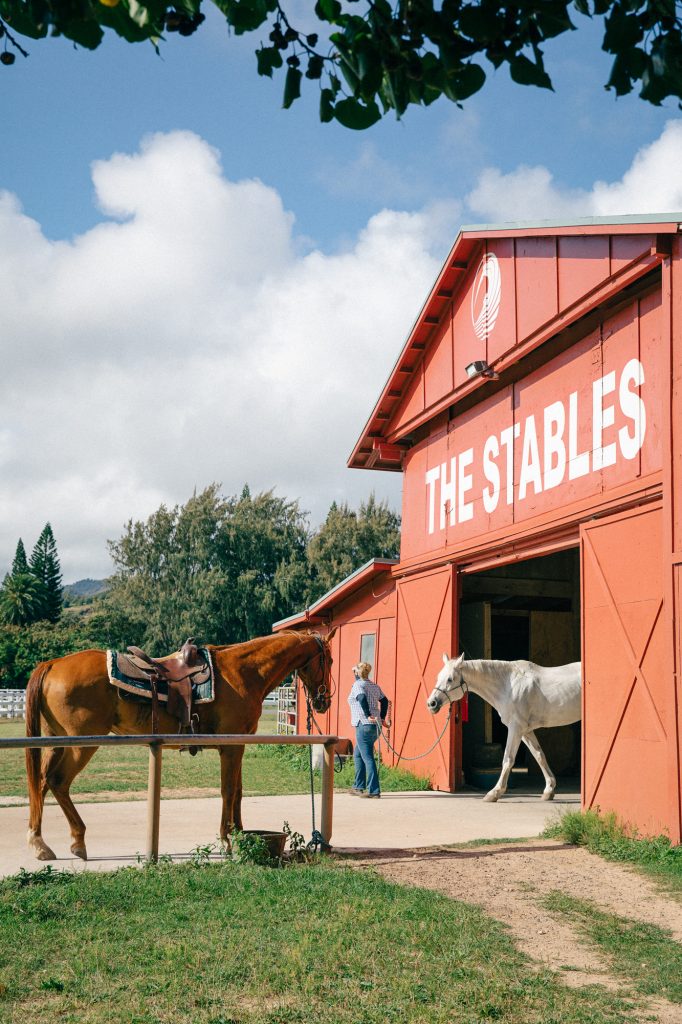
40,848
548,796
490,798
78,850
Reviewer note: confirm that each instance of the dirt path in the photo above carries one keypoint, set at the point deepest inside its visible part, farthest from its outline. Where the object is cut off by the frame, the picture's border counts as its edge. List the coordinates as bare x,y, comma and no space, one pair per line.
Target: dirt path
508,881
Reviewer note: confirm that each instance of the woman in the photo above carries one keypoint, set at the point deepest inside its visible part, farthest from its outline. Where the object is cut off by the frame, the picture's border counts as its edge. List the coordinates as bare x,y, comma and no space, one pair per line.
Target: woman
368,704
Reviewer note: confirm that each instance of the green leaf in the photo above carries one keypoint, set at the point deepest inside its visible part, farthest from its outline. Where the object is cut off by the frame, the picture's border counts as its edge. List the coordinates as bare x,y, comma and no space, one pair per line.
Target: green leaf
622,31
268,58
353,114
328,10
526,72
292,86
326,105
469,81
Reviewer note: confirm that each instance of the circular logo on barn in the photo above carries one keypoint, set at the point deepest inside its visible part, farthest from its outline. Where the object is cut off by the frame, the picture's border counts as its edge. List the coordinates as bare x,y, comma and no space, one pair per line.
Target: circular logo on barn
485,296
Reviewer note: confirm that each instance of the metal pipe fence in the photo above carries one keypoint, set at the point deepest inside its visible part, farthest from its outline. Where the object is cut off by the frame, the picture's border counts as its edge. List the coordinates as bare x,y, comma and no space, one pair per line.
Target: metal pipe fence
157,742
12,703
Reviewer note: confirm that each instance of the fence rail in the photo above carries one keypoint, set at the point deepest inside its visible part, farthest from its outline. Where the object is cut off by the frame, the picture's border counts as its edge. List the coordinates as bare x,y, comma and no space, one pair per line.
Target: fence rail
157,742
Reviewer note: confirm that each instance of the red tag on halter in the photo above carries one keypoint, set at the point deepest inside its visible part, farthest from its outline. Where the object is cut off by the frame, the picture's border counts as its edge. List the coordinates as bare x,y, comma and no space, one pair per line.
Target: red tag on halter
464,708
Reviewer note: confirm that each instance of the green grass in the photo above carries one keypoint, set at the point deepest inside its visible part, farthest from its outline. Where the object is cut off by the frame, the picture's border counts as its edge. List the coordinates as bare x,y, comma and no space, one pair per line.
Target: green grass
643,954
236,944
603,834
268,771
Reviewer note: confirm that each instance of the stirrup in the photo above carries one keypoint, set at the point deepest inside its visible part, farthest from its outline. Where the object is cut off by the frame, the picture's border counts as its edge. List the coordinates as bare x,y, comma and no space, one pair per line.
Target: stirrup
191,730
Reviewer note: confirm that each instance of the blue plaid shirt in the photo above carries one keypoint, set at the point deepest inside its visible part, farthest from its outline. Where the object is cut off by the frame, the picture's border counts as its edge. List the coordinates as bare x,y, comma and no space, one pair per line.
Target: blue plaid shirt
374,694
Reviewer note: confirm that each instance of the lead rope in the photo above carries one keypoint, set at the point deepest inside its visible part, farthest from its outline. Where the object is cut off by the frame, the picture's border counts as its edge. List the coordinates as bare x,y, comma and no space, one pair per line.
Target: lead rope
316,842
402,757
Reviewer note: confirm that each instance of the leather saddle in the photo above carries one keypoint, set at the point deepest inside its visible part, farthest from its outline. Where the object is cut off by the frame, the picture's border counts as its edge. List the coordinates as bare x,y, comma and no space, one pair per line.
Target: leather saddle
177,672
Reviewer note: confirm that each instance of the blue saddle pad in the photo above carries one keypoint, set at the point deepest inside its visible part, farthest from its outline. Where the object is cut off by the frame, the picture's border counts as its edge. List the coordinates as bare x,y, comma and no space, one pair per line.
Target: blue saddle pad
127,676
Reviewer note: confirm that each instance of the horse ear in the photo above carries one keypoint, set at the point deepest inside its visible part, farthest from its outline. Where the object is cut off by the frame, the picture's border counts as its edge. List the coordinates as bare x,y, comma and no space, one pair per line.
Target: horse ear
330,634
446,659
458,661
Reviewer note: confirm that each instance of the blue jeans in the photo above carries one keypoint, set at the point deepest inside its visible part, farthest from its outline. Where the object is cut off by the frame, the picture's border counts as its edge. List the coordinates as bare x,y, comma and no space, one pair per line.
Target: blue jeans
366,774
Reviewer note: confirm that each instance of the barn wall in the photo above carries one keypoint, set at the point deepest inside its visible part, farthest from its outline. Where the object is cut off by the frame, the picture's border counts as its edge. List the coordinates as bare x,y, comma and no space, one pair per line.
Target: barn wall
530,282
580,430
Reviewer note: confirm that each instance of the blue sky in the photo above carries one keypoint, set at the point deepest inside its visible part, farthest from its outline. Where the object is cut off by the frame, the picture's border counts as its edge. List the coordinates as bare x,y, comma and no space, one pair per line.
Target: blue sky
63,107
270,264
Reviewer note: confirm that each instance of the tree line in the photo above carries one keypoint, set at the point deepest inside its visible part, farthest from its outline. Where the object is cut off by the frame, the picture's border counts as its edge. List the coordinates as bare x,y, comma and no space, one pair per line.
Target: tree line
221,568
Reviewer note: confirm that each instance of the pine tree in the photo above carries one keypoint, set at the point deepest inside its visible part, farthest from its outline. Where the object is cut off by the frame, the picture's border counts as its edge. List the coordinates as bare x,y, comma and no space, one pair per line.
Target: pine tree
20,563
44,565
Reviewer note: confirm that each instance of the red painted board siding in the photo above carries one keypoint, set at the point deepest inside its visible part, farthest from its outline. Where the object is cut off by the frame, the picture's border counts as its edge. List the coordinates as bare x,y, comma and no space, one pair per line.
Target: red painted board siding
628,701
583,264
536,283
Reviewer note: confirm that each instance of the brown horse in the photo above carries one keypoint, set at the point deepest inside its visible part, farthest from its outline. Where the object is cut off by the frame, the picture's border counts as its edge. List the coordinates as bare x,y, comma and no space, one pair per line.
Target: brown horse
72,696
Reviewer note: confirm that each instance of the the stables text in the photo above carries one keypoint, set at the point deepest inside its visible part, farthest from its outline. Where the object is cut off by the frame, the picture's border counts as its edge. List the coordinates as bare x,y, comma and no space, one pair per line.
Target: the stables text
550,448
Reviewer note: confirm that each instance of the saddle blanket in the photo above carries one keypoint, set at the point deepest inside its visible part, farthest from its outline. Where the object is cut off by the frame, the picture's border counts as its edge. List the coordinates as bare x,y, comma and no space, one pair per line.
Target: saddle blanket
128,677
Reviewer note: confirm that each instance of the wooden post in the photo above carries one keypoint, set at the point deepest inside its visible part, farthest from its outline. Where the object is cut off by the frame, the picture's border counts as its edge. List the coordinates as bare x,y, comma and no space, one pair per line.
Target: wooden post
154,801
327,791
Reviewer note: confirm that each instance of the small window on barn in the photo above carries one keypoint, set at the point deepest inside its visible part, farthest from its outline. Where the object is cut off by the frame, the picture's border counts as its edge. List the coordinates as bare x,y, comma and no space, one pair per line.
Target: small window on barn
367,647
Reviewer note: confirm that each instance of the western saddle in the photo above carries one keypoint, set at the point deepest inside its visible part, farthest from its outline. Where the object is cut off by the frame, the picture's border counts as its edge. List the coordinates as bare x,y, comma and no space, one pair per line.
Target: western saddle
177,672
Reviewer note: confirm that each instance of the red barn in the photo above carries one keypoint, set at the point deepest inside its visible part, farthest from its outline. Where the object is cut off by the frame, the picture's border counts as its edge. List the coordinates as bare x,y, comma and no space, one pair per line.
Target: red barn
535,412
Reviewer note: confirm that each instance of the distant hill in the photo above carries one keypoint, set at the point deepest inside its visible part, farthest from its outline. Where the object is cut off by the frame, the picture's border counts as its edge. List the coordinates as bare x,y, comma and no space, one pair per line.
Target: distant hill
85,588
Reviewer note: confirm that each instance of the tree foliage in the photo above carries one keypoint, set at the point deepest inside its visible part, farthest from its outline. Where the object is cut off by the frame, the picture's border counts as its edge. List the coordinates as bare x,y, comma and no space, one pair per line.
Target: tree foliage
348,539
20,599
372,58
224,569
22,647
220,568
44,566
33,589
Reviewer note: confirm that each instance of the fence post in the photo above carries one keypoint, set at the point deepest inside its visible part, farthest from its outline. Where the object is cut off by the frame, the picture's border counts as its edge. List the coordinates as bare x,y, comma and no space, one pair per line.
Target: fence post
154,801
327,791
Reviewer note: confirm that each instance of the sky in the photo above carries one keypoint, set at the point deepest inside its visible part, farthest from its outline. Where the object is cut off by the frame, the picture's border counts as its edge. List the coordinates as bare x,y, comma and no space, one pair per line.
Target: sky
199,286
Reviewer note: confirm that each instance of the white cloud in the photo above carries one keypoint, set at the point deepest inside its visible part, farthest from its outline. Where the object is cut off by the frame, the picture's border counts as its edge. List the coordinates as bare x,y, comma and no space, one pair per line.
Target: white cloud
652,184
189,340
190,336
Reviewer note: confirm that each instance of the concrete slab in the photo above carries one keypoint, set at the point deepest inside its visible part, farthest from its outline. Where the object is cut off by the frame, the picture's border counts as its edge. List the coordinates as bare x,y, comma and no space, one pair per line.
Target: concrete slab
116,831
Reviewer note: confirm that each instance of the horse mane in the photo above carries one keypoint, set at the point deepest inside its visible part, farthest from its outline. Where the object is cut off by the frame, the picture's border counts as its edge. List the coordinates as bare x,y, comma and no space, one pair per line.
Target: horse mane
300,635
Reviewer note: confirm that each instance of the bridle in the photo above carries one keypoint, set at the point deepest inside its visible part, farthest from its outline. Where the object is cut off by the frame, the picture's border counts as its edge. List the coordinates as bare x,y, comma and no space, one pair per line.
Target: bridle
323,693
450,686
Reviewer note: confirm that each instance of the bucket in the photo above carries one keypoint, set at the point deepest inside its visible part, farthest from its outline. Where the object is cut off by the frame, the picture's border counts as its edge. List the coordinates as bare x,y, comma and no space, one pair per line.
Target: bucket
275,841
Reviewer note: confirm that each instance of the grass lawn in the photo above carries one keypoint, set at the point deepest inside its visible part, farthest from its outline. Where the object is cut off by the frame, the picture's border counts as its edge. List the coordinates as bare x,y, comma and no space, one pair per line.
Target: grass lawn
268,771
228,944
646,956
603,834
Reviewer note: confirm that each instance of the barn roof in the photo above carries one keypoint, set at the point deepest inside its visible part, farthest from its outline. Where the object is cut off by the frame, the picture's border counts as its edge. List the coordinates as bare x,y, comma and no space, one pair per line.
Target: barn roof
376,449
317,612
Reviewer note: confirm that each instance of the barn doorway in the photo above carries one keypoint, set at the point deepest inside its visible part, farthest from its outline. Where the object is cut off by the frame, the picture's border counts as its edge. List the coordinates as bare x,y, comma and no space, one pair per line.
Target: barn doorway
529,610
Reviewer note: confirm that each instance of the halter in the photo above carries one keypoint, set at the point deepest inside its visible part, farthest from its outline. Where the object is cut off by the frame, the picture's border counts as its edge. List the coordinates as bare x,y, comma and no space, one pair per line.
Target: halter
323,692
446,690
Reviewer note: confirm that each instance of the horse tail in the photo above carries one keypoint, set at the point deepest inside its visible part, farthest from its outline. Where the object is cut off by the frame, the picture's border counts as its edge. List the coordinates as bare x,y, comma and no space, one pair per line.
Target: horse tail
34,693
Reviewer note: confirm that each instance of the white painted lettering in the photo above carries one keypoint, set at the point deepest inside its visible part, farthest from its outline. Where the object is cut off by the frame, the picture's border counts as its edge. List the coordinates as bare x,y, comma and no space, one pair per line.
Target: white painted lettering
530,460
507,439
447,492
554,447
491,495
431,477
602,417
578,464
632,407
464,483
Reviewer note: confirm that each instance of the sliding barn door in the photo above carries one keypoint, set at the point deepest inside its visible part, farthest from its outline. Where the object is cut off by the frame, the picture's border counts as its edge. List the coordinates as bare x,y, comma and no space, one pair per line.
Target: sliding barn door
628,688
425,629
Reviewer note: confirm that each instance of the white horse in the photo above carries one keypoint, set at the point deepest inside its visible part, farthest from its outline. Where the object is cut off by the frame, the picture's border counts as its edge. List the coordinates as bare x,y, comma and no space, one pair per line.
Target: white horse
526,697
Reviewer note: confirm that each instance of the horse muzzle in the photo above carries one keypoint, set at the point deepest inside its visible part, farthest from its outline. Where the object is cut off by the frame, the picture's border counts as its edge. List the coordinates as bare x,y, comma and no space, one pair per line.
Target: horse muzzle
434,705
